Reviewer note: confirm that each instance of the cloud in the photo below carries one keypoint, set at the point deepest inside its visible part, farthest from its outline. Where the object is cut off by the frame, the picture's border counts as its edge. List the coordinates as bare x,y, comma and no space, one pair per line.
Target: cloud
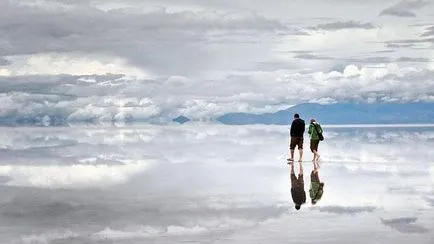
346,210
399,45
404,225
430,201
157,39
429,31
4,62
340,25
309,56
410,59
107,98
404,8
71,65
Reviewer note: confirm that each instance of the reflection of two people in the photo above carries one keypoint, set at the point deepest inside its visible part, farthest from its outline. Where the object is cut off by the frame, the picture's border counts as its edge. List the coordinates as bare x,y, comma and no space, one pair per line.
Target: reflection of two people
297,186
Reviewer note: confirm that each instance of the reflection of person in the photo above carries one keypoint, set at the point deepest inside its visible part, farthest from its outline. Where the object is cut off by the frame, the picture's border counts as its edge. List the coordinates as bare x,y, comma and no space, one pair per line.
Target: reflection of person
297,187
297,131
316,187
314,130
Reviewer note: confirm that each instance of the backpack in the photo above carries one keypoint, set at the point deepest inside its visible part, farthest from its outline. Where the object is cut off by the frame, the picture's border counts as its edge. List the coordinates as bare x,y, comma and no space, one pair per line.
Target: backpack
320,136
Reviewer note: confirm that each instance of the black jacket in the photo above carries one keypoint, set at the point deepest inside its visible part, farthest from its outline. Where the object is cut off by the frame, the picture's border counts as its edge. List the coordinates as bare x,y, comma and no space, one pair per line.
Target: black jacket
298,195
297,128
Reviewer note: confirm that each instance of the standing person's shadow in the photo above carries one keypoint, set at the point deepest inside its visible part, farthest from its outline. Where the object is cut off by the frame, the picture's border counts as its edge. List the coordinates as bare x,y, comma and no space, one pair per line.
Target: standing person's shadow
316,186
297,187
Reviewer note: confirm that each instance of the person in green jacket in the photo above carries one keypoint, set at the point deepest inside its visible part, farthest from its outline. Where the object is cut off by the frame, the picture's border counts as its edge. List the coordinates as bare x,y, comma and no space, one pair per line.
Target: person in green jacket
314,130
316,187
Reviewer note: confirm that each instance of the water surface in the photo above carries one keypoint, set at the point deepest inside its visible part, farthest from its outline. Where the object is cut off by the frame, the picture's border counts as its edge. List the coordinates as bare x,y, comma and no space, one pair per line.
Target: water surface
212,184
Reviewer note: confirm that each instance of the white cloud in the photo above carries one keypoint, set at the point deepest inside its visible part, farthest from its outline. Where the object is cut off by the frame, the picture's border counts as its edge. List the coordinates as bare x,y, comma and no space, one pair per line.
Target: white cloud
75,64
5,72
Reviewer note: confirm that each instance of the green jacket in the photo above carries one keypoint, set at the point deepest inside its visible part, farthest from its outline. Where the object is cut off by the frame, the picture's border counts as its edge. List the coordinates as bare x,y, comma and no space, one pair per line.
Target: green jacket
312,132
316,190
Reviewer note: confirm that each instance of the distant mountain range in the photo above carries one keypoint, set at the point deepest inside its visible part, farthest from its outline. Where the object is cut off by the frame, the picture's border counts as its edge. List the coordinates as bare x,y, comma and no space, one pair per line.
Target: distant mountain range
341,113
181,119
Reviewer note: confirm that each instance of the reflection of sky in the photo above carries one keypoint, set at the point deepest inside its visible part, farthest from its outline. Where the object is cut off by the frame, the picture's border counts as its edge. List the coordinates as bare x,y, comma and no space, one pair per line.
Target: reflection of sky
212,183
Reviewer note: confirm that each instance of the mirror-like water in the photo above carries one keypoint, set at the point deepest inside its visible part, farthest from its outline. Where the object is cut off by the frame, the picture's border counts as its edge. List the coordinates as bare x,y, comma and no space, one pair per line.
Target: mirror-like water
213,184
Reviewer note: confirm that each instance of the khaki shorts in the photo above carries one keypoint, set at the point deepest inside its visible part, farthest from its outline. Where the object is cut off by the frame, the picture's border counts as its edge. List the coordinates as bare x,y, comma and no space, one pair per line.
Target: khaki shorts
314,145
296,141
314,176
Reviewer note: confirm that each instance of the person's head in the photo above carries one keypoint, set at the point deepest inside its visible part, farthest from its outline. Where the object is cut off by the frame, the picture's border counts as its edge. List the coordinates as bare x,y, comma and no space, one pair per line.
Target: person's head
297,206
296,116
312,120
313,201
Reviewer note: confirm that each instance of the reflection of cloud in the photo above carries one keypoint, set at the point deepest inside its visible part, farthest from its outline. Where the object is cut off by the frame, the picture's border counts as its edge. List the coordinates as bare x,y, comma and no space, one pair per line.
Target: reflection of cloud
346,210
405,190
404,225
202,227
340,25
50,237
73,176
430,201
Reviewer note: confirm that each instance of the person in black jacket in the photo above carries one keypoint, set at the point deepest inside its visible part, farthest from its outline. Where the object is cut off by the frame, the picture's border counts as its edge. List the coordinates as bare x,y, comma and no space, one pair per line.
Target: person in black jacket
297,131
297,187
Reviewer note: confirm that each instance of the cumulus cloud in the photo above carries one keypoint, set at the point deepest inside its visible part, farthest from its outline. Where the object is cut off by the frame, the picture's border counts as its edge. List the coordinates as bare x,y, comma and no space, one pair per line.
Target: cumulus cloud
60,99
404,8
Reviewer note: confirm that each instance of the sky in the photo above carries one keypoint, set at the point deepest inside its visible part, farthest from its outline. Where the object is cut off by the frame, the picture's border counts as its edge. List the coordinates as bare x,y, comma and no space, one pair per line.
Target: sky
154,60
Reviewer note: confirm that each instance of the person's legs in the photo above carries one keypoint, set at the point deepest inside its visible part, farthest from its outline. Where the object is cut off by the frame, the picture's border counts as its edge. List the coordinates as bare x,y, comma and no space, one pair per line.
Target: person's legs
315,165
312,149
293,177
292,155
292,145
300,149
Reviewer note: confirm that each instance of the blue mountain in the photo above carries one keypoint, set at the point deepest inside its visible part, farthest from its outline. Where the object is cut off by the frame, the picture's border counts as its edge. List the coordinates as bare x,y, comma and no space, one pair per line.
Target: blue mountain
341,113
181,119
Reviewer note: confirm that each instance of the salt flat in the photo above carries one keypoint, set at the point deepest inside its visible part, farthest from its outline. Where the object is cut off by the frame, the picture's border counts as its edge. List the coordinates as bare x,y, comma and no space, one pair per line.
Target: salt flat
208,183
